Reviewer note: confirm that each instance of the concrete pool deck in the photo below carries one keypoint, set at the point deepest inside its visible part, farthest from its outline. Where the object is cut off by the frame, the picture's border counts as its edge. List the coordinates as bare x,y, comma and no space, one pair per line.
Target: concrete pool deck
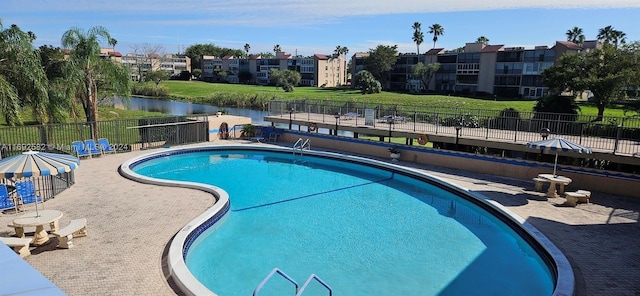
129,225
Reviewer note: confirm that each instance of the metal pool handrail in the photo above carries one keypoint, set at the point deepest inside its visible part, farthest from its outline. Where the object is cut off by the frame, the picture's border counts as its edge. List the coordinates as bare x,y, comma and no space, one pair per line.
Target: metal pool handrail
268,277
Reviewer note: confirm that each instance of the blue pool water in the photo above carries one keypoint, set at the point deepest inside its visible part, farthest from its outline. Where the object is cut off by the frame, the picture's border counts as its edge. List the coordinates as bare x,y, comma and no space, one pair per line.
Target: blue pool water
363,230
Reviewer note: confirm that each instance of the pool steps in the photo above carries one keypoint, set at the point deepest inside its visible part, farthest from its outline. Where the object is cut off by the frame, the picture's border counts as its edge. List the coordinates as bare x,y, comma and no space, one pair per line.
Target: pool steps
291,280
301,145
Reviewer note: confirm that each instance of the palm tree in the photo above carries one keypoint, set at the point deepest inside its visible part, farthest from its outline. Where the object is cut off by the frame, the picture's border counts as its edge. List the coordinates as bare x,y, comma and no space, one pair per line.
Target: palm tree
605,35
619,37
247,47
337,51
90,77
277,49
436,30
575,35
418,36
483,40
22,78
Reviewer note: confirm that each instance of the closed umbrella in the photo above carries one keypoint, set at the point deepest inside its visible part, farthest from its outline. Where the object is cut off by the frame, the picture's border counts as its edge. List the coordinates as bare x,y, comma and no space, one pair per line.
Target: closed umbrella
558,144
34,164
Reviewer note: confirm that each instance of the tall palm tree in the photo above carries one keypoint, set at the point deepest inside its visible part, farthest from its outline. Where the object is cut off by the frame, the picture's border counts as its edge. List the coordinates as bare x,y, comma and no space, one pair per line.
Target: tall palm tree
418,36
277,49
91,78
247,47
22,79
605,35
337,51
436,30
619,37
483,40
575,35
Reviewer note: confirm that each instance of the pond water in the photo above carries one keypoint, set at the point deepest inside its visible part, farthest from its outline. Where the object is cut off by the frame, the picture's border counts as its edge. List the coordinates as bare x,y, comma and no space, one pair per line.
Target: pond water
187,108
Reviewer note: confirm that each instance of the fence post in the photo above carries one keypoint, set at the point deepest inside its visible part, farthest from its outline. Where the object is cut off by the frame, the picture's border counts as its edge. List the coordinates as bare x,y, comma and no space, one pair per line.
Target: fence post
618,132
515,134
488,122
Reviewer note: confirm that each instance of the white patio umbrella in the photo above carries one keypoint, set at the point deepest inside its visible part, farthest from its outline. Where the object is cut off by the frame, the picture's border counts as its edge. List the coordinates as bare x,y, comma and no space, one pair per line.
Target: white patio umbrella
558,144
34,164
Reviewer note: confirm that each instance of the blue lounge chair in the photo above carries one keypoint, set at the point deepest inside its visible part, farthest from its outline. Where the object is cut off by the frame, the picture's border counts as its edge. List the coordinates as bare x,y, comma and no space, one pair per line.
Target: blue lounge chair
79,149
27,192
105,146
91,147
5,200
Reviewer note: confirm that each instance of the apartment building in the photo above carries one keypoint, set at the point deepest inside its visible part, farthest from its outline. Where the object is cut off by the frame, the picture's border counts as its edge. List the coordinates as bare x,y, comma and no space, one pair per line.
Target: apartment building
316,70
479,69
140,64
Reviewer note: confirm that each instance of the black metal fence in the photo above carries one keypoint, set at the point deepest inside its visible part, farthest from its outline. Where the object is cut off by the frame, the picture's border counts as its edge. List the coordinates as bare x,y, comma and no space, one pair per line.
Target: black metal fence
123,134
615,134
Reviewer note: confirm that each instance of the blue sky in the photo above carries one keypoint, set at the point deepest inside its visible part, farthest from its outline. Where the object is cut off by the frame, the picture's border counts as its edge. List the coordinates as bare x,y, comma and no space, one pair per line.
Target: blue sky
318,26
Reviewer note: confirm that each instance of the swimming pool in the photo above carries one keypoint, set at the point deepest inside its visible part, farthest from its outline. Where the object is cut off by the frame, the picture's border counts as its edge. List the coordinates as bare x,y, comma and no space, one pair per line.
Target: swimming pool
362,229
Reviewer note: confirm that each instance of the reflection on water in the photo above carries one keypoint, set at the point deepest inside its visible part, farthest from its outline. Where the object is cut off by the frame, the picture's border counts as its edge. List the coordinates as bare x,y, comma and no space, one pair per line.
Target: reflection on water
186,108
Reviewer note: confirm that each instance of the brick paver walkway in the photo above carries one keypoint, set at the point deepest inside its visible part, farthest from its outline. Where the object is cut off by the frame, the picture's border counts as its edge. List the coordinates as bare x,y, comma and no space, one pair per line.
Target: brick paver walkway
130,224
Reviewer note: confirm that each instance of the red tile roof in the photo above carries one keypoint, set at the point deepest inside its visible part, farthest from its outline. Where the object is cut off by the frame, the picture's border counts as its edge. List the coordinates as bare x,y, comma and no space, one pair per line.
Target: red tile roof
320,56
492,48
569,45
434,51
115,54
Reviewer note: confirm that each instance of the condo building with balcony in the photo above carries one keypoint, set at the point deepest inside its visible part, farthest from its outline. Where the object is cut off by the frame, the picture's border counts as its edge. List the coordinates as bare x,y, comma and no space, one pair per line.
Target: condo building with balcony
478,69
317,70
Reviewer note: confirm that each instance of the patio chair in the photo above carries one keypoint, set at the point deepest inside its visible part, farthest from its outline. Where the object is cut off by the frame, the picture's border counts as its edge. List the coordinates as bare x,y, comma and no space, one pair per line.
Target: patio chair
6,201
91,147
79,149
103,143
27,192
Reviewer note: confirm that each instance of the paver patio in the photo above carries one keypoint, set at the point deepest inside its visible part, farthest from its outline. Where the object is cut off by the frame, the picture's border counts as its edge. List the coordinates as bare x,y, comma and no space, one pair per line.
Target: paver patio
130,224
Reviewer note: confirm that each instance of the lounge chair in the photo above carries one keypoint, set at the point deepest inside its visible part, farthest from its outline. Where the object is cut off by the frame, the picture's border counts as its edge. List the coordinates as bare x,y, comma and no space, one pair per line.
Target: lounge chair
103,143
27,192
79,149
91,147
5,200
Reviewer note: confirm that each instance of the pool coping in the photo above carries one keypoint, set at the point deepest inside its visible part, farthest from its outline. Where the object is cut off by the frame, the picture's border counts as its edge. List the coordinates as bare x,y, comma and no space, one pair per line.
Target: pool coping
188,284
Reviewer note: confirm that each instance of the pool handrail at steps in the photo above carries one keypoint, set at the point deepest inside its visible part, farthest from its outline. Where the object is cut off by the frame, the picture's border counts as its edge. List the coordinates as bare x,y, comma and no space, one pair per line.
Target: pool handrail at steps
288,278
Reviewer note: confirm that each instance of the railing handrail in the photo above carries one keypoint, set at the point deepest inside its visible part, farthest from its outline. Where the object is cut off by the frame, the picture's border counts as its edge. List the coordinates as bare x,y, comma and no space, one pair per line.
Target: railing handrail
268,277
313,276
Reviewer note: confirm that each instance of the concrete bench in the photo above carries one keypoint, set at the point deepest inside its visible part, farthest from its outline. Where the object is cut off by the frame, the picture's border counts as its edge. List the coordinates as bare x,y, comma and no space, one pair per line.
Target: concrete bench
19,245
582,196
76,228
539,182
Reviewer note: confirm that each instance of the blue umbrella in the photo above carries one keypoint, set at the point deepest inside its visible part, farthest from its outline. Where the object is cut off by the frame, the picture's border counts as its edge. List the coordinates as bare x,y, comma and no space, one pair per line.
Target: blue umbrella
558,144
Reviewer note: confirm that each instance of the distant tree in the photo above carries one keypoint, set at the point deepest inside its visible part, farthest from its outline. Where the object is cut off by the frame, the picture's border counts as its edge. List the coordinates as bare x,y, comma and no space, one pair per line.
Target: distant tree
575,35
610,36
381,60
156,76
367,84
247,47
436,30
147,55
418,36
222,75
287,79
483,40
267,55
558,104
53,62
277,49
196,51
605,72
425,73
197,73
344,50
22,79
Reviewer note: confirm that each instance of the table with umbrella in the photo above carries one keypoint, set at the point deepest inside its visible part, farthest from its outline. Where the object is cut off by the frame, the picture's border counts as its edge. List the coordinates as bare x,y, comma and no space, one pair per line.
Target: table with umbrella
555,145
32,164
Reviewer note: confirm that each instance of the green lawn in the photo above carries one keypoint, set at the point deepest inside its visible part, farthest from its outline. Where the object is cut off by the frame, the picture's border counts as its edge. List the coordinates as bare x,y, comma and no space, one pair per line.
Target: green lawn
206,93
